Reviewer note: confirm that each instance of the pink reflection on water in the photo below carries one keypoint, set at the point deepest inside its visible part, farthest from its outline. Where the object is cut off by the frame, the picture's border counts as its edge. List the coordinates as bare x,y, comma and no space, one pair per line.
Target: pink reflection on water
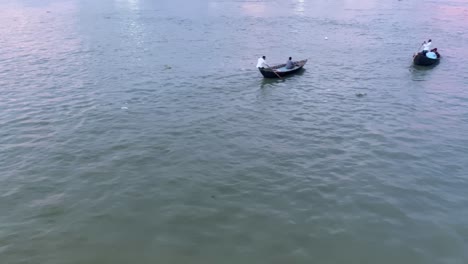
446,11
24,28
254,8
40,43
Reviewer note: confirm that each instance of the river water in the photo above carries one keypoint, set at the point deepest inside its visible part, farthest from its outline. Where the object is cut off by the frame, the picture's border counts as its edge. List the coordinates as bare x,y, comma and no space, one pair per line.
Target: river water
139,131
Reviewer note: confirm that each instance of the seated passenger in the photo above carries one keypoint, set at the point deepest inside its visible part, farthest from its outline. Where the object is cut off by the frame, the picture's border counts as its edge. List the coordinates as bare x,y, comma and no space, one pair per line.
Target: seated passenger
289,64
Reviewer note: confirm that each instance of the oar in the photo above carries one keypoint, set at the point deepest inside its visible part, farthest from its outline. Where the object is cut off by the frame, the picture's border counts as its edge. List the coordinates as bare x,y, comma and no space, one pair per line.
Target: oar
274,71
420,47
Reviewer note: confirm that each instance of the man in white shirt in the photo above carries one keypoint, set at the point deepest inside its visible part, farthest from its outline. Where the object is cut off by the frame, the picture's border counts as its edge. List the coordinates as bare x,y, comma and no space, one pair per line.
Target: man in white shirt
427,46
261,63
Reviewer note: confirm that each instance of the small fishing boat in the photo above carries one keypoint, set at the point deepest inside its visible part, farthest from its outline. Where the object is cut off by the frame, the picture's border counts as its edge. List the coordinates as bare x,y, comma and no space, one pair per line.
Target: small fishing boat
426,59
281,70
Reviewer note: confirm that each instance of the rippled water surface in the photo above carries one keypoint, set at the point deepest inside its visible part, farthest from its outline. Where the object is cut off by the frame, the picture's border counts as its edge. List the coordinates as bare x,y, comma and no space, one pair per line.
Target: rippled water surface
139,131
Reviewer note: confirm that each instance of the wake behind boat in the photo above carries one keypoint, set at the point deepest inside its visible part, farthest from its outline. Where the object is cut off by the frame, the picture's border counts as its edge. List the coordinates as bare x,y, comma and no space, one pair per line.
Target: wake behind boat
281,70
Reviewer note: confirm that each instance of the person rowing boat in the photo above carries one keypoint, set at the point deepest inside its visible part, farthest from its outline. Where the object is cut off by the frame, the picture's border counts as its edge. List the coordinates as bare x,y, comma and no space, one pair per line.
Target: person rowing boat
261,63
427,46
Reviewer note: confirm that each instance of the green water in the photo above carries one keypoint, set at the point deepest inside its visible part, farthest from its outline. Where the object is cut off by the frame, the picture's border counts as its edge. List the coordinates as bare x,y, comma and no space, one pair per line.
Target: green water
140,131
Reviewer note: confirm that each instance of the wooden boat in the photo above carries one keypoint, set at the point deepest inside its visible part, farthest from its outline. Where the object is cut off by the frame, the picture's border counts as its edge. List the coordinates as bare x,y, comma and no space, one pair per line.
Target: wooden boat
281,70
421,59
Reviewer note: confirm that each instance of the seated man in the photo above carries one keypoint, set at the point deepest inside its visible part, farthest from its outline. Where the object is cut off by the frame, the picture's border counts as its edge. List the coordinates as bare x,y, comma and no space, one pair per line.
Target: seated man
289,64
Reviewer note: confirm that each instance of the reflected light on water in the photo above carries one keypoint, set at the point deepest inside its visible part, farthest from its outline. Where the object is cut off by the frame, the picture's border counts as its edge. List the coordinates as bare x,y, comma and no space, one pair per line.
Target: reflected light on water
134,27
300,6
130,4
445,11
254,9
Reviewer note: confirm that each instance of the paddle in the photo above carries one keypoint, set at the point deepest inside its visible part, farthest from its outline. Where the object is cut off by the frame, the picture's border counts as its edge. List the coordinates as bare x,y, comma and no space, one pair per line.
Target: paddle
420,47
274,71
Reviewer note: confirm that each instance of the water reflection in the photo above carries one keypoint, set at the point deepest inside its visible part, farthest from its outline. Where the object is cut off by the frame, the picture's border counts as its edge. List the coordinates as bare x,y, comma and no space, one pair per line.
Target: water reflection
254,8
267,82
420,73
26,28
134,28
133,5
300,6
447,11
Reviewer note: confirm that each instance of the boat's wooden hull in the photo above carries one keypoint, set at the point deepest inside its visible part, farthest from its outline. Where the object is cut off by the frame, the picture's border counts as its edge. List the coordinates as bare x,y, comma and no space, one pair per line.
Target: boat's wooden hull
421,60
274,71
